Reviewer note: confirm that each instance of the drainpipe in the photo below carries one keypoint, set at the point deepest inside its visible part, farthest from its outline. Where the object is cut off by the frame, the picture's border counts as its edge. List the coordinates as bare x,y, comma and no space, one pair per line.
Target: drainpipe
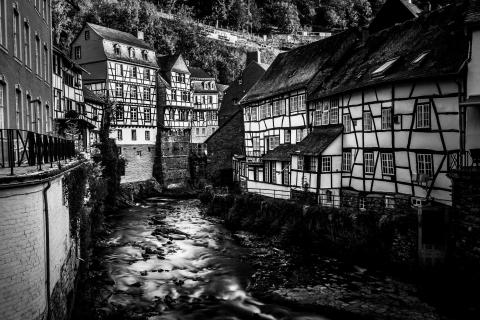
47,248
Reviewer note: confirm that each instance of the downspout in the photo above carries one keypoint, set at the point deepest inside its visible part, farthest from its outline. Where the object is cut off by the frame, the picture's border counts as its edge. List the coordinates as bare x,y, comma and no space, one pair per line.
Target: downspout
47,249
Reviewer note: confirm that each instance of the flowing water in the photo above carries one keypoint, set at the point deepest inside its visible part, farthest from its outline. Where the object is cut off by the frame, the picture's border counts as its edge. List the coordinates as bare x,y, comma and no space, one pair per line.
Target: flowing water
165,260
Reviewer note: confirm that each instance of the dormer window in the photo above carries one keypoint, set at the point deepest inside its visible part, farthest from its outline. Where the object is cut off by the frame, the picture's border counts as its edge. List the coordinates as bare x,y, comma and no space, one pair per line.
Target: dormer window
145,55
384,67
420,57
116,49
131,52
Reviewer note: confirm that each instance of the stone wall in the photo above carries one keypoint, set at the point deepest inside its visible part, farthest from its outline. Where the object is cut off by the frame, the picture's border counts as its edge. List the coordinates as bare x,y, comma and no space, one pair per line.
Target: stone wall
175,163
222,145
139,162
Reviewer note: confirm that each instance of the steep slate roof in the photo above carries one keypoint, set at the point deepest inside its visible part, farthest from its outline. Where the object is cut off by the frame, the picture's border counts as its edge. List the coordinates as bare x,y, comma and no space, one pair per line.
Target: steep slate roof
199,73
318,140
89,95
118,36
281,153
169,63
237,89
294,69
440,33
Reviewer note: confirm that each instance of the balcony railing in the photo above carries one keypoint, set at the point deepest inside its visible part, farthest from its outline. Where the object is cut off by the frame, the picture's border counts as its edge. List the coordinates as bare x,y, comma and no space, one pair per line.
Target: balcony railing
21,148
464,160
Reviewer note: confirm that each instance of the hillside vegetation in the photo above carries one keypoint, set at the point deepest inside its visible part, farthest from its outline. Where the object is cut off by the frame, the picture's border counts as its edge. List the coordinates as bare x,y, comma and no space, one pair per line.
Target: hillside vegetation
222,61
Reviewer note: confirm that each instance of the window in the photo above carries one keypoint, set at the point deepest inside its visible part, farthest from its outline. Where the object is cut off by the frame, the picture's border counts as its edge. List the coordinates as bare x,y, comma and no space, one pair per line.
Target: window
45,62
145,55
2,103
310,164
254,113
16,34
119,90
256,144
326,164
44,9
87,34
134,72
423,115
18,108
78,52
384,67
273,142
116,49
134,135
119,135
26,45
367,121
148,114
369,163
347,123
301,103
147,135
293,104
146,93
38,69
134,113
131,53
389,202
270,172
210,99
325,114
347,161
288,136
425,164
328,197
286,173
386,118
361,203
334,103
146,74
2,23
174,95
300,163
134,92
387,164
57,96
317,114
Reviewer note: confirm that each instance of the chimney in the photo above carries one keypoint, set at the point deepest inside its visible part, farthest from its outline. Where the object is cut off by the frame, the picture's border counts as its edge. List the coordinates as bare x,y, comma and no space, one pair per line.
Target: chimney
140,35
253,56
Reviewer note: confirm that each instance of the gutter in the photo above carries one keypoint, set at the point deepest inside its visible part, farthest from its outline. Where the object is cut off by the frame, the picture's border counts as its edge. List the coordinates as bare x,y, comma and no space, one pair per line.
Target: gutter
47,249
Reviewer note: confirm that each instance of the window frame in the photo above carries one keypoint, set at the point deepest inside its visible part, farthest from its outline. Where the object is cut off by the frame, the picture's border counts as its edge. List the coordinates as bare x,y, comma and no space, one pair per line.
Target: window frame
421,121
369,163
326,164
387,158
347,161
422,165
367,118
387,118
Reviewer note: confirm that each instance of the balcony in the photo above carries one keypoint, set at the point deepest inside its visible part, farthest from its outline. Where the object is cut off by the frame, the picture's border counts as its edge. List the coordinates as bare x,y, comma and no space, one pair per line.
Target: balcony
23,152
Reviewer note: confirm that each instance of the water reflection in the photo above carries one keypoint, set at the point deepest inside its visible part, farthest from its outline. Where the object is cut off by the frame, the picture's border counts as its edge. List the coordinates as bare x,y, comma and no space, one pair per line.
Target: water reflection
167,261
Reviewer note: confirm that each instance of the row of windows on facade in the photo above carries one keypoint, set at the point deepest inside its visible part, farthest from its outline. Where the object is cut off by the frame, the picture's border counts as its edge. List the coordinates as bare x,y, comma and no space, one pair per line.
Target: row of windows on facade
204,131
327,112
273,141
133,114
69,79
185,115
63,104
183,96
276,108
128,71
29,114
133,91
22,37
310,164
133,135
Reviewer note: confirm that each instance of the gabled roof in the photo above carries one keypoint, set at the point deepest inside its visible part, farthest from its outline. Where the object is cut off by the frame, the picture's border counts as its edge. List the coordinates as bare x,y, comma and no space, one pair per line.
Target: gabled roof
318,140
118,36
294,69
392,12
175,62
199,73
66,58
440,32
90,96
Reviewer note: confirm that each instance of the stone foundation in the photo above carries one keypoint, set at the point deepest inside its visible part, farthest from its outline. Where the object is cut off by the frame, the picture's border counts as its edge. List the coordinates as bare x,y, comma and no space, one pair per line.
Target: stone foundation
139,162
175,162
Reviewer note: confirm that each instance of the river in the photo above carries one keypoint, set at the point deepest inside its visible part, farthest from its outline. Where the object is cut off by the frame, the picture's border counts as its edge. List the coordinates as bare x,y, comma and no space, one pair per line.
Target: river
165,260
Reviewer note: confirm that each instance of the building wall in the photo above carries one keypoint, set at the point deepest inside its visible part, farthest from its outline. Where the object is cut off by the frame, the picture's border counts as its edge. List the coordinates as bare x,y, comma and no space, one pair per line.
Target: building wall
23,250
140,160
19,73
175,154
221,146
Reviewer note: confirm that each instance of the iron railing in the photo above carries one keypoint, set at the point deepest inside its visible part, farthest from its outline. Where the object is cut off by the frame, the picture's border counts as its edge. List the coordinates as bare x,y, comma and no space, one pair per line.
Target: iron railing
464,160
21,148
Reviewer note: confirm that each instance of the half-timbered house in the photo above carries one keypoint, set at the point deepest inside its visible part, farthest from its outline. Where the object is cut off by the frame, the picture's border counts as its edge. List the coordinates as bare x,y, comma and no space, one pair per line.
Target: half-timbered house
123,68
175,109
389,119
205,107
275,113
